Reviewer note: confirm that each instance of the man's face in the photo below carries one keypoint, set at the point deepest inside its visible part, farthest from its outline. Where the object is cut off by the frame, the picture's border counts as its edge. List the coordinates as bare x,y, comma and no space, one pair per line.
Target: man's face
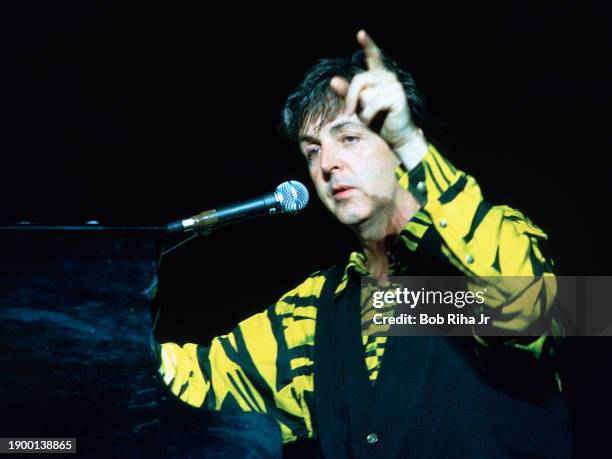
352,168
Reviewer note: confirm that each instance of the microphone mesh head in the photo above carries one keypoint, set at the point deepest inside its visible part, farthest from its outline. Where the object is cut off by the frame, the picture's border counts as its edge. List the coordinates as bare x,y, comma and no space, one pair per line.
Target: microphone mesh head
294,196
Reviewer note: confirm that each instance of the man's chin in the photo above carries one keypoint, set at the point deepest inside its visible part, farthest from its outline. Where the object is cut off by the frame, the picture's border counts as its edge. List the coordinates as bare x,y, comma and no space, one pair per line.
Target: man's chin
353,218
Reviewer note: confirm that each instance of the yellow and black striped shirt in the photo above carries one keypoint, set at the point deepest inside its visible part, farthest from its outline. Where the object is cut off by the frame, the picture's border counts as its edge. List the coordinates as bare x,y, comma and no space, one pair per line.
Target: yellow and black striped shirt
266,363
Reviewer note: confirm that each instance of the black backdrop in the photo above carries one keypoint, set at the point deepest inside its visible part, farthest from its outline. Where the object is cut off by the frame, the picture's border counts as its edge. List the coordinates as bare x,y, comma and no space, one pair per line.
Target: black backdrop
141,113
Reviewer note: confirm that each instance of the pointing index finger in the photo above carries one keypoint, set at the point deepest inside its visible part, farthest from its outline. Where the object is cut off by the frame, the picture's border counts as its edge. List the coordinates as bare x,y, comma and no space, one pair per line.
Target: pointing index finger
373,55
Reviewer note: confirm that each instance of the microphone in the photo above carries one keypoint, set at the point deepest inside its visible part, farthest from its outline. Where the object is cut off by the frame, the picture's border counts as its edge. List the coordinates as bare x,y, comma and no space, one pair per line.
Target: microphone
289,197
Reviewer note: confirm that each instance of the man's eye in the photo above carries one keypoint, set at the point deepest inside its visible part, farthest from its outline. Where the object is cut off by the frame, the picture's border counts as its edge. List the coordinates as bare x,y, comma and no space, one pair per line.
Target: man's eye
350,139
312,151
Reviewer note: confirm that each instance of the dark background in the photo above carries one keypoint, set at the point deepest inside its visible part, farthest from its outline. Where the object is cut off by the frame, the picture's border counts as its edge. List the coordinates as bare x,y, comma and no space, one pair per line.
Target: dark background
142,113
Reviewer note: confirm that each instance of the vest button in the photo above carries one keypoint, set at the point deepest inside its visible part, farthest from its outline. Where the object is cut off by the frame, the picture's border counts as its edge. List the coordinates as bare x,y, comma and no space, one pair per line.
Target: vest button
372,438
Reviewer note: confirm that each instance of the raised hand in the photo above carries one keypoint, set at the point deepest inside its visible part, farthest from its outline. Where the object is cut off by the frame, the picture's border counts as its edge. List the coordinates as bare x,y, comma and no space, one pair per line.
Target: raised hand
377,95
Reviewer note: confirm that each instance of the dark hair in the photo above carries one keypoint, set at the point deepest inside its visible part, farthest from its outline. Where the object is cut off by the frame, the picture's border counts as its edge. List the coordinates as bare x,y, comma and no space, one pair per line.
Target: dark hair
314,99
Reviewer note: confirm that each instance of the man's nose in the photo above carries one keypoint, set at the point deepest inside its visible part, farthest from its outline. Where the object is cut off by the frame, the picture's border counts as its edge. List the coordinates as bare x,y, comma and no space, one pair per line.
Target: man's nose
330,159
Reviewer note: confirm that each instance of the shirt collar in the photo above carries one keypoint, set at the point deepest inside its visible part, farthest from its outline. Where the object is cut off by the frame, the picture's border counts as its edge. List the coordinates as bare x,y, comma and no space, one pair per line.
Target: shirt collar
407,241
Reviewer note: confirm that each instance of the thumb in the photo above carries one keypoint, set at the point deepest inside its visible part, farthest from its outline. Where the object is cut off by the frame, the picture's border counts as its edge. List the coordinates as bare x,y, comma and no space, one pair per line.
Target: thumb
339,85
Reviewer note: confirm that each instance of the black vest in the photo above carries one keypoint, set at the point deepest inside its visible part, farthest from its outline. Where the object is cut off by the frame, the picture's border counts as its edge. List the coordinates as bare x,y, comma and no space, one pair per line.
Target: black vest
432,397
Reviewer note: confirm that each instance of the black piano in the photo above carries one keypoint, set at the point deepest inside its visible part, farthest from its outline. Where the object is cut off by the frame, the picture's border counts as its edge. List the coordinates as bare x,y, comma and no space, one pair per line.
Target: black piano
77,354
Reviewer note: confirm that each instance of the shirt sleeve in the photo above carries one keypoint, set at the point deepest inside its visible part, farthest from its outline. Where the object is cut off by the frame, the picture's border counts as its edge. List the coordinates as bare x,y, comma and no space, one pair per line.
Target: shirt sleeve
264,365
495,244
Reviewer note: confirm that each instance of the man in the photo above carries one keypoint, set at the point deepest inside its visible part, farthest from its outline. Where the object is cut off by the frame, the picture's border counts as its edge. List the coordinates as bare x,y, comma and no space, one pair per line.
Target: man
302,360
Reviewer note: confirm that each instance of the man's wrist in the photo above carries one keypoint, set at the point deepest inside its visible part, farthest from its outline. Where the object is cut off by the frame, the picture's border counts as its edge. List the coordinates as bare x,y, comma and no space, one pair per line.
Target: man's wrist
413,150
